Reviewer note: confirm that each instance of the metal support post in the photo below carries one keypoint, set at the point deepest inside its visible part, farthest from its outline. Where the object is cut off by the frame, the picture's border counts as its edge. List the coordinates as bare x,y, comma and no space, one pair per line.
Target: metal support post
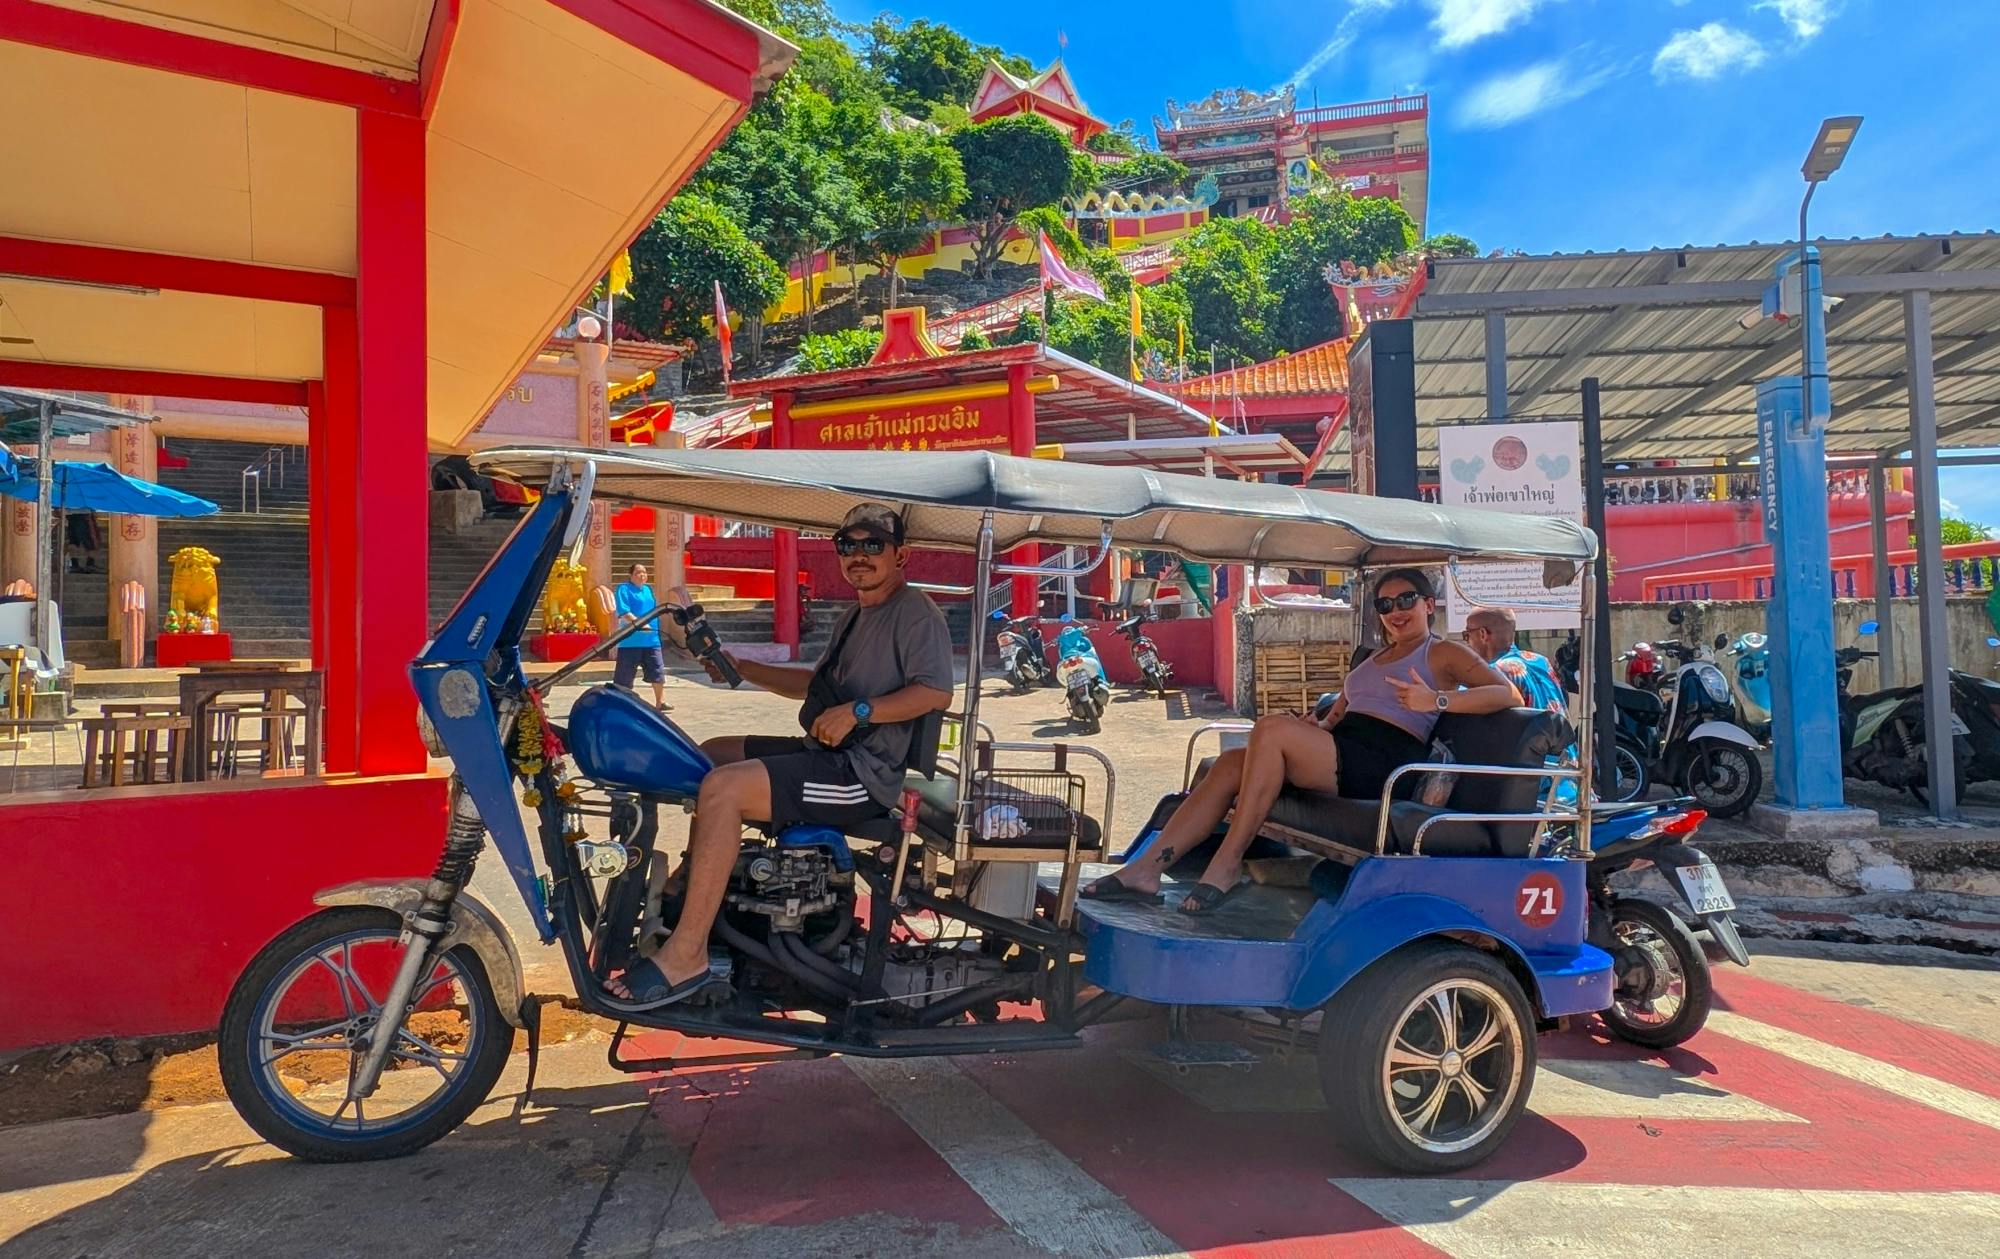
1496,366
1885,580
1597,681
1935,654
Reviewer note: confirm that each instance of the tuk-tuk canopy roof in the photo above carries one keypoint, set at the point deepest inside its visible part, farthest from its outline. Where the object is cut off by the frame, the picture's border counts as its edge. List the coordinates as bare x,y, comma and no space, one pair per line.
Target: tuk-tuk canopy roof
943,495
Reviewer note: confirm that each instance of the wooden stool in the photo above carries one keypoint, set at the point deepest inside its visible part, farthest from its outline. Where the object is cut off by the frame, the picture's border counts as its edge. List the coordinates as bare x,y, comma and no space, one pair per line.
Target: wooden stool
110,743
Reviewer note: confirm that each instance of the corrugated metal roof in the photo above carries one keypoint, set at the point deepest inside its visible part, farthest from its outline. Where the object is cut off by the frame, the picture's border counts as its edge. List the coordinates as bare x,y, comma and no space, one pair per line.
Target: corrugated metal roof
1678,371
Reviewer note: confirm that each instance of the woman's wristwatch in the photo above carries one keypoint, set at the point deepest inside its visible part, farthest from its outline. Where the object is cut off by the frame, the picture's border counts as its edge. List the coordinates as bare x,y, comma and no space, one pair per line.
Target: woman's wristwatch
1444,701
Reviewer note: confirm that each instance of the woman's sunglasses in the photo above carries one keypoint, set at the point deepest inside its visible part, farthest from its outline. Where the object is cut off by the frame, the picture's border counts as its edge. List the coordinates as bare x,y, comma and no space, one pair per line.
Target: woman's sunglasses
845,546
1385,604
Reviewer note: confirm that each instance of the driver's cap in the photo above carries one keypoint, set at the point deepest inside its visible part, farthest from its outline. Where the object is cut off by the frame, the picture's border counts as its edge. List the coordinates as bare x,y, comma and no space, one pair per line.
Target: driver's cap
876,519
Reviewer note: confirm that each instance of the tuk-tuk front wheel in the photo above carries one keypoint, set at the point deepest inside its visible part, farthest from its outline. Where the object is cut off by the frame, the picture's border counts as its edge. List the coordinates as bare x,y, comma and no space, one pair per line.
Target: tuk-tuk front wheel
1426,1058
300,1019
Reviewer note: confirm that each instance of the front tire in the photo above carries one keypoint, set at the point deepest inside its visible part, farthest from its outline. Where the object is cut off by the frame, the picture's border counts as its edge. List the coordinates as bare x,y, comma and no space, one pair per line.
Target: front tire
1663,990
1632,781
1724,778
311,993
1427,1057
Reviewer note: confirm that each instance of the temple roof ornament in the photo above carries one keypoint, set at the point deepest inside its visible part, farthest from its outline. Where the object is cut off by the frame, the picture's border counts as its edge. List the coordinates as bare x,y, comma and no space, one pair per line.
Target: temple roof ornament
1233,104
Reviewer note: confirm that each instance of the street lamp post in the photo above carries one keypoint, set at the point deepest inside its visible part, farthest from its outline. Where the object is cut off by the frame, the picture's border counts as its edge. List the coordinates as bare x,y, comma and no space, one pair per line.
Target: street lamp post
1829,150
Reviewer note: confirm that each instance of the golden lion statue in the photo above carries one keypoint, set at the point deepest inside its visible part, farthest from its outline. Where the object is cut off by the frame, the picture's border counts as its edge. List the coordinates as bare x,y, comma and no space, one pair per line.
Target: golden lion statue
564,608
194,591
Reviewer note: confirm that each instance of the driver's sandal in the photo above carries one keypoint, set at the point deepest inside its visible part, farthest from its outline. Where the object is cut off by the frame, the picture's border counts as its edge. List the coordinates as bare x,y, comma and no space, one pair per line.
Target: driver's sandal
650,990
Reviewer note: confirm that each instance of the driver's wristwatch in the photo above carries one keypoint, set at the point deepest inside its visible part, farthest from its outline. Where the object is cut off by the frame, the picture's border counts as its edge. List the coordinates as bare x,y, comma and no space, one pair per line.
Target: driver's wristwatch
862,712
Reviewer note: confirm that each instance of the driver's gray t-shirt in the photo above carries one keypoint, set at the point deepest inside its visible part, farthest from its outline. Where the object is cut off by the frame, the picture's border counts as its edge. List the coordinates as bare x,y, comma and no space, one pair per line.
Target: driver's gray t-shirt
901,642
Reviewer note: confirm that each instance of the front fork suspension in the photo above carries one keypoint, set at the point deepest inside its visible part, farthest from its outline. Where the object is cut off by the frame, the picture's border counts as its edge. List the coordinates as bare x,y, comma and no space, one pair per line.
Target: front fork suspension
427,933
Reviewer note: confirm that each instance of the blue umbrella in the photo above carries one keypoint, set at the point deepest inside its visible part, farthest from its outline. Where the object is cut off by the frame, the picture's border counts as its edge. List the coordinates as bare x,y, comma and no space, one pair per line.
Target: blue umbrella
100,487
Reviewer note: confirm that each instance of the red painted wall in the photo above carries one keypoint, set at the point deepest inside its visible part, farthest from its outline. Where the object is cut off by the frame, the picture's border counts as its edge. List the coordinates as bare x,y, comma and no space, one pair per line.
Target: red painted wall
130,912
1657,539
1188,645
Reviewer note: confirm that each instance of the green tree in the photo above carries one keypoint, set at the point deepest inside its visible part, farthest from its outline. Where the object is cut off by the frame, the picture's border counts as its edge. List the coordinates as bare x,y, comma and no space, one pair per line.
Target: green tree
794,19
1222,281
783,174
1011,164
677,261
910,180
975,338
1048,220
1448,245
1145,172
1122,140
1956,532
1326,228
831,351
924,61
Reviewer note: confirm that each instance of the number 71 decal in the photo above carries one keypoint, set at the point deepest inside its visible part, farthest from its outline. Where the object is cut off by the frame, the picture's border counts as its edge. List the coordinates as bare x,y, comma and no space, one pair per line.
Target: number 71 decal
1539,900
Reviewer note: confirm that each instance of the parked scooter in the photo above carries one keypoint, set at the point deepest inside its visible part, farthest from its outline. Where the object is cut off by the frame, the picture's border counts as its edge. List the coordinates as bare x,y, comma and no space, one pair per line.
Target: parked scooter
1024,660
1752,652
1154,673
1882,732
1086,692
1682,729
1976,700
1662,990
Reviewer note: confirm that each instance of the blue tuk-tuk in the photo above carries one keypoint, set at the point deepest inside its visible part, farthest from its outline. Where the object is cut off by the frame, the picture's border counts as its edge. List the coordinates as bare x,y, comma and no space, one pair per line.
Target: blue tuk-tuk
1433,941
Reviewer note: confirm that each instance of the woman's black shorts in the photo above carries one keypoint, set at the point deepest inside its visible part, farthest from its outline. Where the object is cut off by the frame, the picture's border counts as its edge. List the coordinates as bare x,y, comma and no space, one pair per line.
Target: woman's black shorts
1368,749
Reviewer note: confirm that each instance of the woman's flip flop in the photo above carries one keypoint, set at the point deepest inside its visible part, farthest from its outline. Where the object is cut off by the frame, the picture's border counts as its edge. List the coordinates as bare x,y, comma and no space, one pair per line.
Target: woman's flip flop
1109,888
1202,898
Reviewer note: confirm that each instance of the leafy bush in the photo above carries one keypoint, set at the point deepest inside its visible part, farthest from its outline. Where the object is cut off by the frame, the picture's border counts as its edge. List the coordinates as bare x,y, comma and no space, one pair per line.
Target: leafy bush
831,351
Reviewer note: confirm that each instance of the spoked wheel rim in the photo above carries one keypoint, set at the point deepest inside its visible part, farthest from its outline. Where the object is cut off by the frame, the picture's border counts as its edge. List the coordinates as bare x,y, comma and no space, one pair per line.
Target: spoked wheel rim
1453,1067
1625,763
1719,775
1666,996
311,1028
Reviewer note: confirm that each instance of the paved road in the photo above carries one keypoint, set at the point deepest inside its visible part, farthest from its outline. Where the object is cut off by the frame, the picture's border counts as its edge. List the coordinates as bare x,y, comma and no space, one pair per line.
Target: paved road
1842,1102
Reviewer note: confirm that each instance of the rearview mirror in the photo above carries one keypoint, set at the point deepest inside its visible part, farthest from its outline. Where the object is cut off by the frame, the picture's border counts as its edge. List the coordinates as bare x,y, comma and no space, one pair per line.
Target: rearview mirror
1869,627
1993,642
1721,640
998,614
1066,618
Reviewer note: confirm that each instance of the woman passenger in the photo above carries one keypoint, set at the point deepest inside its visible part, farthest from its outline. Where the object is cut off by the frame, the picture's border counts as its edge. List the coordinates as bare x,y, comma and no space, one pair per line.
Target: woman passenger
1383,720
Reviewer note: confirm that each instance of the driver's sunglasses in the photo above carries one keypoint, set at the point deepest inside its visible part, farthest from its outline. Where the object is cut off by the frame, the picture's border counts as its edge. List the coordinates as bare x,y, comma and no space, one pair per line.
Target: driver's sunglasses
1385,604
845,545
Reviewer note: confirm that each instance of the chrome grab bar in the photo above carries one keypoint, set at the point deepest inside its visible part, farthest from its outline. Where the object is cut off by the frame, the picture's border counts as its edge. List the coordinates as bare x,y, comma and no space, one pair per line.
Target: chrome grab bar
1491,771
1417,840
1083,568
1187,767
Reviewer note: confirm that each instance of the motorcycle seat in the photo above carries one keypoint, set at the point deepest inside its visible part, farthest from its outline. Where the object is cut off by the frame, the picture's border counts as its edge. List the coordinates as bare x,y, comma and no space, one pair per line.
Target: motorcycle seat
1640,703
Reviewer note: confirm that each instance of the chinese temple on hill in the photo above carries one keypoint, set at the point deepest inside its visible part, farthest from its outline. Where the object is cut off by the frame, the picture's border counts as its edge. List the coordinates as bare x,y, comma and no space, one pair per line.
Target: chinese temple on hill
1261,148
1049,95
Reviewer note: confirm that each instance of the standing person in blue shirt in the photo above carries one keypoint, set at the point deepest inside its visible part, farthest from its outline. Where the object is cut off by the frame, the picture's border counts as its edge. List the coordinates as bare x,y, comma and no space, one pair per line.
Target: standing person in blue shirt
641,652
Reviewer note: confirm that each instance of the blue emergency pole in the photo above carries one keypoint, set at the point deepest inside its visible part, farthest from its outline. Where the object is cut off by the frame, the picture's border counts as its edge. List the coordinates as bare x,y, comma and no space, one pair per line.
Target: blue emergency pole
1791,435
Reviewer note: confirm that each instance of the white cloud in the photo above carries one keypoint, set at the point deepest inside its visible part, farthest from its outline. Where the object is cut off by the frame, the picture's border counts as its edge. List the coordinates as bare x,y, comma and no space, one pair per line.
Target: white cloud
1508,98
1806,18
1706,52
1345,32
1461,22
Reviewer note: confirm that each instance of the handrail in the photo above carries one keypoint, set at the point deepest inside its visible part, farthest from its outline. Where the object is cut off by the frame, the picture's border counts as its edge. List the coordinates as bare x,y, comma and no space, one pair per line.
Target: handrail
1236,727
1417,840
1491,771
1650,586
272,459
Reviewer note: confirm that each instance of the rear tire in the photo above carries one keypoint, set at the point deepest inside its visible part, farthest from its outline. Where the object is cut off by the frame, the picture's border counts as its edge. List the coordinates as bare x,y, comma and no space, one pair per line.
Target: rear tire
1672,958
282,1115
1631,780
1409,1091
1724,778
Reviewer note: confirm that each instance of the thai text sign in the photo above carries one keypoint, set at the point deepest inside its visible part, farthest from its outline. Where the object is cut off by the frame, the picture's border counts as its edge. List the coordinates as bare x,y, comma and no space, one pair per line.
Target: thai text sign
970,424
1528,469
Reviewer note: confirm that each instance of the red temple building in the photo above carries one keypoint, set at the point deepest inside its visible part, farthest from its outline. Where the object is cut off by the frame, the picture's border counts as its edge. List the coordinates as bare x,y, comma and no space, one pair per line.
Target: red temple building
1261,148
1049,95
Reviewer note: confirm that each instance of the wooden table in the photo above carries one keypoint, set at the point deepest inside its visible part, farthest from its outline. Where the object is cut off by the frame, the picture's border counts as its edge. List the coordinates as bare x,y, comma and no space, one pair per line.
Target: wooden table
276,681
154,750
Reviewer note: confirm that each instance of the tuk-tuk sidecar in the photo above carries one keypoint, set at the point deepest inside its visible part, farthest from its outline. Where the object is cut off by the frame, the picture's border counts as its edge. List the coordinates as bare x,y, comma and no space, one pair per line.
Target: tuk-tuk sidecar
1433,969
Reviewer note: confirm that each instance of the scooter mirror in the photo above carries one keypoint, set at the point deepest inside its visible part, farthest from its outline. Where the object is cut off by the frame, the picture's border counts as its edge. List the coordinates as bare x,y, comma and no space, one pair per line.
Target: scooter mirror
998,614
1066,618
1721,641
1869,627
1993,642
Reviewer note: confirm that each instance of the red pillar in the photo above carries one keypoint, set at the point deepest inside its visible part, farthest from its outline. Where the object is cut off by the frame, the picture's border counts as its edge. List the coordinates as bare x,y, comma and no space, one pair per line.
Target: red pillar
1026,595
389,478
784,542
336,503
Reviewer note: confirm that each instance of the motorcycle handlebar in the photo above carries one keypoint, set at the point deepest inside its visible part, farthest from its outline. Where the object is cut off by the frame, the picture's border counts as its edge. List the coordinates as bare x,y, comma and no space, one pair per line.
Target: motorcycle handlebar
704,645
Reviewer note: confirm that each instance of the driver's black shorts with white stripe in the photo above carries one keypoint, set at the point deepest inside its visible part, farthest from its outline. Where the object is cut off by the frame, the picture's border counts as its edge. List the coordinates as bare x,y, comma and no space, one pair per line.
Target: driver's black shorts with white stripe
810,783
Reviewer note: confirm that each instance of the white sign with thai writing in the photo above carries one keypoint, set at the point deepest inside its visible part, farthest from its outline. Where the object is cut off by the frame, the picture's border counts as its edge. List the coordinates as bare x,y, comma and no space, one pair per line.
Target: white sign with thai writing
1533,469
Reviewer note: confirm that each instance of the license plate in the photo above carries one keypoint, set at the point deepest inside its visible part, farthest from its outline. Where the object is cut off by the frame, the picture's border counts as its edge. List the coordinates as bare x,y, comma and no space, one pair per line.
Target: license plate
1072,671
1705,890
1148,660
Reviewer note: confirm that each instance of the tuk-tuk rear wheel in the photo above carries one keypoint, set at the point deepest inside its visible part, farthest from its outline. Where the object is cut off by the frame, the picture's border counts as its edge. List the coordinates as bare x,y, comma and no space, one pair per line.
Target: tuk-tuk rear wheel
1427,1057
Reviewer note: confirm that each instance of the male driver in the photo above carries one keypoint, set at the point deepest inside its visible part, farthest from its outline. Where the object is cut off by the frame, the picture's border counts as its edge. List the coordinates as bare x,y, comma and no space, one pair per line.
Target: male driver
1490,634
889,664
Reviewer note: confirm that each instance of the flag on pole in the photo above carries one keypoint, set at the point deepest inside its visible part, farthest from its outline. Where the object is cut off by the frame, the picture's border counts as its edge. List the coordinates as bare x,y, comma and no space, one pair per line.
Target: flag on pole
1056,271
722,332
1135,333
621,274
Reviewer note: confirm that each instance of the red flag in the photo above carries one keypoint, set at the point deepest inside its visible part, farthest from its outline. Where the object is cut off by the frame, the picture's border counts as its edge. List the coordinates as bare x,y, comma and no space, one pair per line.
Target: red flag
1056,271
722,332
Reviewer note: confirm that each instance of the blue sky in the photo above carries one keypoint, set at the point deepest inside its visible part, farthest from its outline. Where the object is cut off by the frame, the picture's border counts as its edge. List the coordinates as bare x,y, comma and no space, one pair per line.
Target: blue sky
1590,124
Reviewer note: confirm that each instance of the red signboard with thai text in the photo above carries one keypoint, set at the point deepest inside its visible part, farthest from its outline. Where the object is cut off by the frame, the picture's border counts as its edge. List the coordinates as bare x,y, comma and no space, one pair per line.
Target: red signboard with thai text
968,424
